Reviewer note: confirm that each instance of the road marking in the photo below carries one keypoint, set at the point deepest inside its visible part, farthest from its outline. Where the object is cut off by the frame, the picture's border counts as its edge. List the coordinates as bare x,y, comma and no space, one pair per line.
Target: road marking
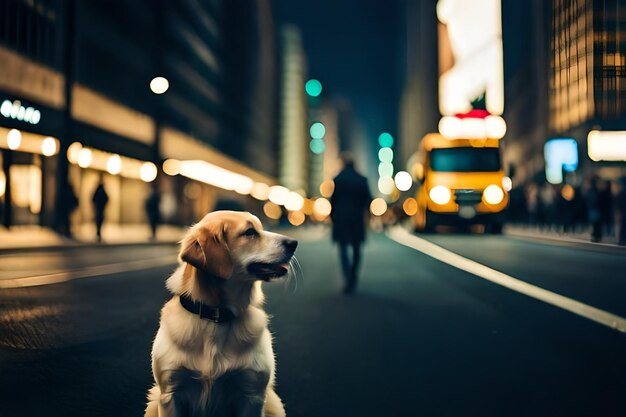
605,318
92,271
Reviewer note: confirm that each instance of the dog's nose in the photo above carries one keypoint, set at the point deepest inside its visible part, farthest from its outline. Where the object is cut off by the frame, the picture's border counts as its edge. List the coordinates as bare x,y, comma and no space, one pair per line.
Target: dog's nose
290,245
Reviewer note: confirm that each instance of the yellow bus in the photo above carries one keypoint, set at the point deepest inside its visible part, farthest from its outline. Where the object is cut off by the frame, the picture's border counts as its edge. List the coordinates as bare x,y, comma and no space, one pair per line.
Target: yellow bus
462,182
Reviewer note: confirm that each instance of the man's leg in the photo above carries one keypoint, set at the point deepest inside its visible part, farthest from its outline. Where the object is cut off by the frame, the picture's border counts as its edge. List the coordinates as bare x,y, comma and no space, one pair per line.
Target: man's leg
356,261
345,264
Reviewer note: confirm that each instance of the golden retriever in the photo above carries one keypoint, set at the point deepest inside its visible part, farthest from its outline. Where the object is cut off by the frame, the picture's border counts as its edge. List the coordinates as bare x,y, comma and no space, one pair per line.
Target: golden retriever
212,354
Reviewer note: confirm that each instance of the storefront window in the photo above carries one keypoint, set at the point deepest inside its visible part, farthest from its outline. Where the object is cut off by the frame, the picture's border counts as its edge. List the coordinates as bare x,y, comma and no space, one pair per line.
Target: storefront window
25,193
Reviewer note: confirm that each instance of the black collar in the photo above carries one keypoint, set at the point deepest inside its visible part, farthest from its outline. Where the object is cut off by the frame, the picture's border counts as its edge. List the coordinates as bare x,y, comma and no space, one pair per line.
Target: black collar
214,313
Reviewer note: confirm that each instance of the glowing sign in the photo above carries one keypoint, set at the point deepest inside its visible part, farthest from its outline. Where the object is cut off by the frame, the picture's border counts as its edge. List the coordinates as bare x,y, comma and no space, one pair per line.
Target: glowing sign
606,146
560,155
470,55
15,110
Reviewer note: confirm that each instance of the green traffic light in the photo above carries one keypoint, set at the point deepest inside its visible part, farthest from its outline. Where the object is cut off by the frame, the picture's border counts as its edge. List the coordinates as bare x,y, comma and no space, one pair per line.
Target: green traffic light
385,140
313,87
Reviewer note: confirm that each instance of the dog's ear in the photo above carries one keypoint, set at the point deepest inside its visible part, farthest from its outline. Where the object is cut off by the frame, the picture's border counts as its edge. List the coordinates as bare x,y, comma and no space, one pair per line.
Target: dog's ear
206,249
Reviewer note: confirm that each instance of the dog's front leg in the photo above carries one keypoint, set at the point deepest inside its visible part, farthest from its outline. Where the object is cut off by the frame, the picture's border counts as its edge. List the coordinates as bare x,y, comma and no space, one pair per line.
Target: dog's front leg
168,406
273,405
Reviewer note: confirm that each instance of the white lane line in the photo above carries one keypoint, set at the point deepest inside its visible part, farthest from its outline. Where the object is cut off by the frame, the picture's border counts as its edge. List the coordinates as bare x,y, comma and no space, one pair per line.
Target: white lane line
437,252
92,271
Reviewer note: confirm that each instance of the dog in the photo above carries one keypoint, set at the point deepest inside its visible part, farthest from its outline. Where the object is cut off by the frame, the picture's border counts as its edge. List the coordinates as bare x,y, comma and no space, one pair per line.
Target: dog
212,354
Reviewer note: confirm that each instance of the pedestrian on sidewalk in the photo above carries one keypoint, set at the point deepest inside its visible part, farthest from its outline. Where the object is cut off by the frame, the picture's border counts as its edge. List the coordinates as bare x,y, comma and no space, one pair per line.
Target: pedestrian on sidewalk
594,209
153,204
100,200
350,202
607,207
620,203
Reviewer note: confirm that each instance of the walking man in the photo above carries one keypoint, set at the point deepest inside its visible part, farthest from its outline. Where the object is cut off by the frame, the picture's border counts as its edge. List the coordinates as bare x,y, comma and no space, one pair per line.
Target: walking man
100,200
153,210
350,202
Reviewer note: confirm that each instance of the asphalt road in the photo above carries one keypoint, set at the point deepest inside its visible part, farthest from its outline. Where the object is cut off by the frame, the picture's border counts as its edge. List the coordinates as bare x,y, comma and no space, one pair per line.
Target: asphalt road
420,338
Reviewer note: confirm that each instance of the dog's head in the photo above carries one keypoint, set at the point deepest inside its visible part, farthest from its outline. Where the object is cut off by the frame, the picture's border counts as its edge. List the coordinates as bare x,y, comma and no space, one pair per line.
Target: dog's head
225,244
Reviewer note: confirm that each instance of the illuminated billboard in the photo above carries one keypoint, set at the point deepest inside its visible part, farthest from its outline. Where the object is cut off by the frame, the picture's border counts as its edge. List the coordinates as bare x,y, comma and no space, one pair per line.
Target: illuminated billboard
560,154
470,56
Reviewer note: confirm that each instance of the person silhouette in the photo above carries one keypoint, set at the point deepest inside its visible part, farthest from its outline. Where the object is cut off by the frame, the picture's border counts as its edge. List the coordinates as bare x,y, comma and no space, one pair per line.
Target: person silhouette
350,201
153,203
100,200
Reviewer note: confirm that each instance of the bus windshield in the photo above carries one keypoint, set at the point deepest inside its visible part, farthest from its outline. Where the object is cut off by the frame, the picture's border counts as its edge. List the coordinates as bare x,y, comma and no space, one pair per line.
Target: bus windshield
465,159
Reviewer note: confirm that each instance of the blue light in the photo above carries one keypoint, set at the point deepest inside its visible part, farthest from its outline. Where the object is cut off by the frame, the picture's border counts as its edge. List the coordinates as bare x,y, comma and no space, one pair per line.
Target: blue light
560,154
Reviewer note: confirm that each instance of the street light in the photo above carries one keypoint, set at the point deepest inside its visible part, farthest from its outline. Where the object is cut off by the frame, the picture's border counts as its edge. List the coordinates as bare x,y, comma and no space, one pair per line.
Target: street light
159,85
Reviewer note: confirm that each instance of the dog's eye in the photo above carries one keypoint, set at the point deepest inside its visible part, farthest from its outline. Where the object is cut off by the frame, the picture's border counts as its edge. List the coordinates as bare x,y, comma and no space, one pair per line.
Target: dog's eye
251,232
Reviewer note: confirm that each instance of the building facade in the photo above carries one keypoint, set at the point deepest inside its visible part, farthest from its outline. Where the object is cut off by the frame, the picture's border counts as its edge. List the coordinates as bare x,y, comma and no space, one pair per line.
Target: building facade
81,71
526,44
293,149
588,82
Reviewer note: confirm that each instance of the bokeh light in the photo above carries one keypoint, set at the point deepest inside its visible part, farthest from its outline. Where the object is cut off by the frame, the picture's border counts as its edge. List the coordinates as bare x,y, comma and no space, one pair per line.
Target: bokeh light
568,193
385,154
73,152
317,130
14,139
148,172
159,85
322,208
171,167
403,181
307,208
278,194
313,87
272,211
327,188
260,191
385,169
507,183
410,206
378,207
114,164
296,218
294,201
84,158
385,140
49,146
386,185
317,146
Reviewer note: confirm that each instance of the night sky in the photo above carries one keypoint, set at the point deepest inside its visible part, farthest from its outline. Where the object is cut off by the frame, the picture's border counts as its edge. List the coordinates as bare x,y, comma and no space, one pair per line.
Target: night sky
356,49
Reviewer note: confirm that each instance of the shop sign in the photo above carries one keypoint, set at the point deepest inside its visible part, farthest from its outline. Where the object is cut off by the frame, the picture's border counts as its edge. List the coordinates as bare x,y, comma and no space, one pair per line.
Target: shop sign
15,110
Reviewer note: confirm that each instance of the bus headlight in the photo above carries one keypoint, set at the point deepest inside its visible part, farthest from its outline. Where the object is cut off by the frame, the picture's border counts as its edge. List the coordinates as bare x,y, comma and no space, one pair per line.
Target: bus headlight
493,194
440,194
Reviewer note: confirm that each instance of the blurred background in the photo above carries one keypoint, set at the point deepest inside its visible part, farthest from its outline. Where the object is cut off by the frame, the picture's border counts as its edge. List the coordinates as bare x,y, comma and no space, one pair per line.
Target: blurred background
493,138
208,104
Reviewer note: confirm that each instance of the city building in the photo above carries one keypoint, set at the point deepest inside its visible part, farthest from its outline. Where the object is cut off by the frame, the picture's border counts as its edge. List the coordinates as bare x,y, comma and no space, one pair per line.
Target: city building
419,111
293,131
526,42
587,79
105,91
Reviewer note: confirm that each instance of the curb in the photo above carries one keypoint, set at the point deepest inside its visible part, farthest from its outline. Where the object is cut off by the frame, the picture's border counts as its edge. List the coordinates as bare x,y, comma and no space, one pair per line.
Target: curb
597,247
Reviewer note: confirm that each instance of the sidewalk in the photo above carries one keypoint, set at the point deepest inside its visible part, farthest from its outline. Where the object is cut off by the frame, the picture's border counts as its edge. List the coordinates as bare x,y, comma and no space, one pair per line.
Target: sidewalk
583,237
35,237
20,238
